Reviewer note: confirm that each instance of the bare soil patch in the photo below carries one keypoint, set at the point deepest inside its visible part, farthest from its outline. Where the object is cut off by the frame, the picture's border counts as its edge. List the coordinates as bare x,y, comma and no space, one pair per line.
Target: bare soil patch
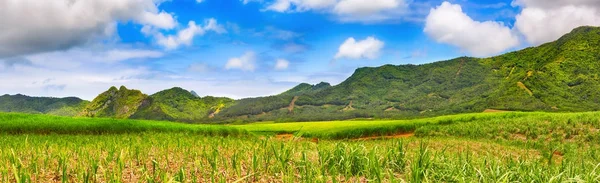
394,136
493,111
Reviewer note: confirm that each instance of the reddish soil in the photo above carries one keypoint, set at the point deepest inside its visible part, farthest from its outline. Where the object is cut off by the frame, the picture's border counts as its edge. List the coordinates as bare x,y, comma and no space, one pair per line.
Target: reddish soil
493,110
285,136
395,136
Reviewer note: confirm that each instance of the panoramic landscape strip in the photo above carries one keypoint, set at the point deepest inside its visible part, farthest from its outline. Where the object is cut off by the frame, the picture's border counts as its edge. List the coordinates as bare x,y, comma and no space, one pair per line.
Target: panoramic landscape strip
486,147
310,91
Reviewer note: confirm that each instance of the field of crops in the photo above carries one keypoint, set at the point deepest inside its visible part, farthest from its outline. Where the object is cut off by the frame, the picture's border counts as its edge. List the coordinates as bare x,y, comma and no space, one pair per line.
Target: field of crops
500,147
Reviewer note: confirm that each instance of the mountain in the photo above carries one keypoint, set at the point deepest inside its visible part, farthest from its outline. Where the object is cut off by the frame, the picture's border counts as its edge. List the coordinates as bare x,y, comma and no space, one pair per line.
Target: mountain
194,93
68,106
304,88
177,104
117,103
556,76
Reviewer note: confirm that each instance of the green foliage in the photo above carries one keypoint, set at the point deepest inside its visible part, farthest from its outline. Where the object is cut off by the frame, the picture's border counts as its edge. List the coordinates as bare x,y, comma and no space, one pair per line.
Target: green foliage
177,104
16,123
556,76
118,103
53,149
69,106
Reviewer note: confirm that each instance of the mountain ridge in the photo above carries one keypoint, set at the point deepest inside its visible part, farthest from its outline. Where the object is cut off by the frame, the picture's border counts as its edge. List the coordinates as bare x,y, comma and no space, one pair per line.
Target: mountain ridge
555,76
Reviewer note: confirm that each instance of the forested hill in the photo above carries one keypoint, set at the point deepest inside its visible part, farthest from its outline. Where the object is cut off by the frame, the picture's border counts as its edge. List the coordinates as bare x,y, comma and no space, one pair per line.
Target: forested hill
556,76
68,106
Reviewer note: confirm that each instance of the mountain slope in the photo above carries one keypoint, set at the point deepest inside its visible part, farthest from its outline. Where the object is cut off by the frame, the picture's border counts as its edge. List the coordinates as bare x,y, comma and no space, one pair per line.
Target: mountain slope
178,104
557,76
561,75
68,106
117,103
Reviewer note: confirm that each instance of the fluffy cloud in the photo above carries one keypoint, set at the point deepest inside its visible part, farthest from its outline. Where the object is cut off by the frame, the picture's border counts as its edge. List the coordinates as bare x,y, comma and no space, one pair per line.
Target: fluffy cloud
299,5
246,62
542,21
363,7
77,55
248,1
281,64
199,67
448,24
90,79
185,36
345,10
32,26
368,48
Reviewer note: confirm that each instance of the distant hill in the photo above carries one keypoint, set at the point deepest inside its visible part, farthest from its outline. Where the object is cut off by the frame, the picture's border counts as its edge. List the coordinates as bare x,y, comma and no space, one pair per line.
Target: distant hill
68,106
558,76
178,104
305,88
117,103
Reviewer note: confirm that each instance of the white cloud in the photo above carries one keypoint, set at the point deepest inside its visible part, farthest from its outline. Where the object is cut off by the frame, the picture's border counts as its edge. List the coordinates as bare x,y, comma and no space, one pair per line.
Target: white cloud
543,21
280,6
199,67
281,64
82,72
186,36
246,62
345,10
90,79
300,5
212,25
249,1
365,7
448,24
161,20
74,58
368,48
32,26
199,1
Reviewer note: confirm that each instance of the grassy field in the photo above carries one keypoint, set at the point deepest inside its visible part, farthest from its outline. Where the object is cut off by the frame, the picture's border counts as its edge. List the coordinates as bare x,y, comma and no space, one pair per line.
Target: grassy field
499,147
15,123
365,128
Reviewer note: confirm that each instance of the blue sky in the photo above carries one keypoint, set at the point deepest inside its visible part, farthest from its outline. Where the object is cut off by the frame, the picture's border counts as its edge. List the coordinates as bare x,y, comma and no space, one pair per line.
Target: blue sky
247,48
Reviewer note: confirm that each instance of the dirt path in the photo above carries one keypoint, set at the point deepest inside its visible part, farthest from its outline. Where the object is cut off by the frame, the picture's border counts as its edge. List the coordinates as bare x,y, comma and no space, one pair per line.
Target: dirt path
285,136
395,136
292,104
493,111
288,136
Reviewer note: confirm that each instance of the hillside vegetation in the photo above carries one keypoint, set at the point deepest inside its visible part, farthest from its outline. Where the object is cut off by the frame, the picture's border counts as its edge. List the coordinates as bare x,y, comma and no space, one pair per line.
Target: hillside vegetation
69,106
556,76
179,104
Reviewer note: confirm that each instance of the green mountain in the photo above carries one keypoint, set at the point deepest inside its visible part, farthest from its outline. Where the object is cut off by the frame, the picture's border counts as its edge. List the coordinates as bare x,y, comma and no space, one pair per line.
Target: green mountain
68,106
117,103
304,88
177,104
556,76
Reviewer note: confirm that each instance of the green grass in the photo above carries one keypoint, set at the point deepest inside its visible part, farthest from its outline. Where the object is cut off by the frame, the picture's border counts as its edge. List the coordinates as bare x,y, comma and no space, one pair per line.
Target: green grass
16,123
364,128
493,147
176,157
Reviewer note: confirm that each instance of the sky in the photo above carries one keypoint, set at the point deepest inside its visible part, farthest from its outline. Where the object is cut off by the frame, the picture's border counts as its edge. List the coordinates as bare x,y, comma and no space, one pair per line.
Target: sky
249,48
